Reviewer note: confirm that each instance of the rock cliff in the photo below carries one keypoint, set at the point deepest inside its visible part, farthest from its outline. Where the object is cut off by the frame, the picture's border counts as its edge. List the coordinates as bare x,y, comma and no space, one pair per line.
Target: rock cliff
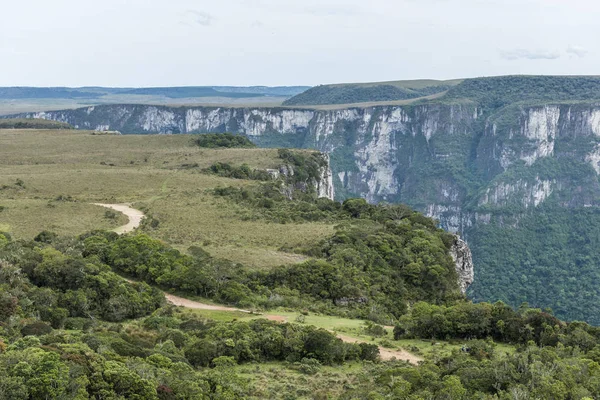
461,254
447,160
474,167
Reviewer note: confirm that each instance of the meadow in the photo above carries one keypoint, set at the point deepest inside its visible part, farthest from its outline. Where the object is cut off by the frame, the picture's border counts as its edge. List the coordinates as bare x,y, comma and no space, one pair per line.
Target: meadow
48,180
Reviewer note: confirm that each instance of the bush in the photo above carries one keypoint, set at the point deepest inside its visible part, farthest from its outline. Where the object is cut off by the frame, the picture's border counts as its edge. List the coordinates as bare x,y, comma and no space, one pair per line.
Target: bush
37,328
46,237
308,366
223,140
374,329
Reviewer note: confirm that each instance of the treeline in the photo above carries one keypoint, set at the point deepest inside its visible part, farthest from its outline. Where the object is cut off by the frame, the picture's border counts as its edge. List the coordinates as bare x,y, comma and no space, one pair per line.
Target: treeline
46,288
497,321
174,354
497,92
60,285
482,372
222,140
381,260
32,124
244,171
349,94
299,171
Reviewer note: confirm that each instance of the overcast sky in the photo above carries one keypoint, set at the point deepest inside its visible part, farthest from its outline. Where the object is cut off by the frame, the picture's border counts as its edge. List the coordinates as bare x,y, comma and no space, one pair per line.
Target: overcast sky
291,42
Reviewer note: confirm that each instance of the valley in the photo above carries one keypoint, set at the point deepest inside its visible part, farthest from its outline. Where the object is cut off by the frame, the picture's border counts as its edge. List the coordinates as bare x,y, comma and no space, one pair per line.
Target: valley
498,160
346,295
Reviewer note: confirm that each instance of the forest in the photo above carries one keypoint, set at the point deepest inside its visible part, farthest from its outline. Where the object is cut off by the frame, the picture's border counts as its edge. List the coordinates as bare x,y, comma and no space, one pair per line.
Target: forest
85,316
72,328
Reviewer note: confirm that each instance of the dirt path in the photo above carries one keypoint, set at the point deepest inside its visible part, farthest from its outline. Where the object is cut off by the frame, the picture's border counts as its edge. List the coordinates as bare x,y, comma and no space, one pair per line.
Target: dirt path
386,354
135,216
180,301
135,219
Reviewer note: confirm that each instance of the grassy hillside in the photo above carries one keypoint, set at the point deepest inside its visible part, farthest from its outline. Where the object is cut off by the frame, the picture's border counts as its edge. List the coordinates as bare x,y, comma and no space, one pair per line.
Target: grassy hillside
22,123
352,93
72,327
496,92
41,190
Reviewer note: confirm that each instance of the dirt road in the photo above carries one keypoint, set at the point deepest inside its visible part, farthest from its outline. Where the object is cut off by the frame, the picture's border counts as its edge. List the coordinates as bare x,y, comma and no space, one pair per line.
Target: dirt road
135,219
386,354
135,216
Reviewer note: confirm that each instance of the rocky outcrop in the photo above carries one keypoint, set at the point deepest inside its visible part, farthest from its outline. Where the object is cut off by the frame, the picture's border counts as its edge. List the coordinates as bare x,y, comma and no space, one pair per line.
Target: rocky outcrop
429,156
461,254
324,184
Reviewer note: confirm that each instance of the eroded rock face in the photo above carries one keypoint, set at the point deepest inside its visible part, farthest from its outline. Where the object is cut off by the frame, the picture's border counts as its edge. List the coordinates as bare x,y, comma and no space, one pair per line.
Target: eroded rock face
323,186
325,183
461,254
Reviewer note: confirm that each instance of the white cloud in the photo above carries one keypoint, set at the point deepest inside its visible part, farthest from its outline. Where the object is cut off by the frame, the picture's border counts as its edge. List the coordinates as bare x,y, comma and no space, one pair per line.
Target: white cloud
200,17
523,54
577,51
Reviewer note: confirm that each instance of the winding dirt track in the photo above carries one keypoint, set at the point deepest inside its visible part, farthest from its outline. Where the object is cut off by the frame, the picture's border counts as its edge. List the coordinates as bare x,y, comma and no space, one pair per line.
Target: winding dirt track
135,216
135,219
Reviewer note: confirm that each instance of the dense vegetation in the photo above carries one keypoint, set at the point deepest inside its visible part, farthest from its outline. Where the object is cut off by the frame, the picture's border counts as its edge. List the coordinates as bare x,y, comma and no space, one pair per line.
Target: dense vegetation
558,247
61,284
383,259
349,94
57,341
223,140
22,123
299,171
244,171
496,92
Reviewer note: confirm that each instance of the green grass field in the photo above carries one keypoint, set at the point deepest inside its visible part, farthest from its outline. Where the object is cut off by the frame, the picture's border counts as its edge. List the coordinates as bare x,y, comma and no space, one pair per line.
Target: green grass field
38,167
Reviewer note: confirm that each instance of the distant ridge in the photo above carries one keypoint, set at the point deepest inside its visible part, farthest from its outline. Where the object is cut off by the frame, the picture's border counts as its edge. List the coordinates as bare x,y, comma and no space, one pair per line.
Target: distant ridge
25,92
350,93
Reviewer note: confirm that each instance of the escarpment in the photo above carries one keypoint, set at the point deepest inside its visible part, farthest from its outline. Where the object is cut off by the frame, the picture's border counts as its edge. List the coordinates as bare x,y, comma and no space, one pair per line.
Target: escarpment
512,175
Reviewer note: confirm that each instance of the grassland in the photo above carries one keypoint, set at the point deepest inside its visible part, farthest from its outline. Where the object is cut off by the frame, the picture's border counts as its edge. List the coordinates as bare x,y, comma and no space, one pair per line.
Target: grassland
38,167
406,84
10,107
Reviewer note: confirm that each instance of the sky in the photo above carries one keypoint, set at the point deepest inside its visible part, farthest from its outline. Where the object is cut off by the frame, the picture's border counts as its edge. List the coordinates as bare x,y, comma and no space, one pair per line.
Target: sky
140,43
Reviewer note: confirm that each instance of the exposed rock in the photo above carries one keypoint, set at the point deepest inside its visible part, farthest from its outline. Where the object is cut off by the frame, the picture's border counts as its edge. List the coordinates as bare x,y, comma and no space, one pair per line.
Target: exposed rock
325,184
461,254
397,153
346,301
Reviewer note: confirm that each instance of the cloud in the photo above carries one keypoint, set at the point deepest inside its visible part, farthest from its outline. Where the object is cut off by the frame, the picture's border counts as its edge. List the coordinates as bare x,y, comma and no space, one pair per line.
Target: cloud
200,17
523,54
577,51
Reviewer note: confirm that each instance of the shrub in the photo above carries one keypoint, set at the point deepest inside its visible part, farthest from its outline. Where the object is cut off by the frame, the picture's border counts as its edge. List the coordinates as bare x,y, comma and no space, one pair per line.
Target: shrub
223,140
374,329
308,366
46,237
37,328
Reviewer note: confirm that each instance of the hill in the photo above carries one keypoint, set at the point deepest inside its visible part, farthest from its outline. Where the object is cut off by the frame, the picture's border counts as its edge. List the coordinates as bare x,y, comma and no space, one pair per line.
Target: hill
353,93
497,92
72,327
24,123
29,99
510,163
